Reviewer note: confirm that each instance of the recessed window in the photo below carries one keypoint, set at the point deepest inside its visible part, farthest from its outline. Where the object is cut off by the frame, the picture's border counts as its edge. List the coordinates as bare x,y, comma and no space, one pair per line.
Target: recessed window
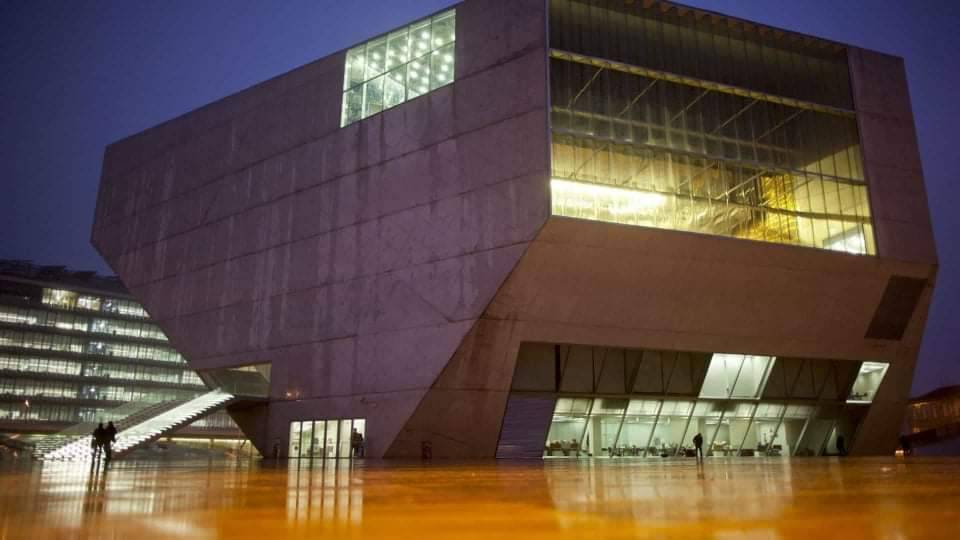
868,382
407,63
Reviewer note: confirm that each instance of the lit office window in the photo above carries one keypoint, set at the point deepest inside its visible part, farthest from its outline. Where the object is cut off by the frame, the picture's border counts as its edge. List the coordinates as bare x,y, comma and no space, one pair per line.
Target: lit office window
60,298
402,65
868,382
89,302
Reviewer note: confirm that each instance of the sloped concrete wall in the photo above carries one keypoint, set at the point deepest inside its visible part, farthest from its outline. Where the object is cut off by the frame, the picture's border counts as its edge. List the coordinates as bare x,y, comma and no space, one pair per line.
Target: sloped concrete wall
590,283
353,259
901,217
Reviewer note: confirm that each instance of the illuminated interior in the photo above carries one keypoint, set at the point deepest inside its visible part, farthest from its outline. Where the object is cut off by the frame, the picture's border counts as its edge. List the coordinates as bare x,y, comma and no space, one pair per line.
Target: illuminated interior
402,65
867,382
656,137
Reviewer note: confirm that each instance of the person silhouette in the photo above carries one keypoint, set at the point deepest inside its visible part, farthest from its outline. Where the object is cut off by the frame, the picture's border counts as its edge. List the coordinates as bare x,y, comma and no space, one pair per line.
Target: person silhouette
356,443
99,435
109,437
841,445
698,445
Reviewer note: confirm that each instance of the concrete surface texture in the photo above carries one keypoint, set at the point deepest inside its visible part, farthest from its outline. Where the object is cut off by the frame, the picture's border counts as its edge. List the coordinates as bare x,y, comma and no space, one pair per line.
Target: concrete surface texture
354,260
725,498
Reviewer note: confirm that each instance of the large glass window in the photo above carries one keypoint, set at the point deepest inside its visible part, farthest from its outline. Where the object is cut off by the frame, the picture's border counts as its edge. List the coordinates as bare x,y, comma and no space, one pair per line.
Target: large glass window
736,375
400,66
867,382
703,131
568,427
327,438
670,433
765,437
613,427
637,427
604,426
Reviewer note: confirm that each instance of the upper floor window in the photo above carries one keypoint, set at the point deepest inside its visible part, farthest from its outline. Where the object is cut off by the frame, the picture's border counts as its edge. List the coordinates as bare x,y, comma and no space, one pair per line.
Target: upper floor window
404,64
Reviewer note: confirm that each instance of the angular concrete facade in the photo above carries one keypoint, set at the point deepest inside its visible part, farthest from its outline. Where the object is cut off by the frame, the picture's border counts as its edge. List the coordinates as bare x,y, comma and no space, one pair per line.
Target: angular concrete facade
391,269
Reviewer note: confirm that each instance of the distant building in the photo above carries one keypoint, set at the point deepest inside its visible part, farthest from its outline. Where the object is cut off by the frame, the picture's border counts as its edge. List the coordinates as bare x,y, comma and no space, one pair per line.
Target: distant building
526,228
935,409
932,425
75,346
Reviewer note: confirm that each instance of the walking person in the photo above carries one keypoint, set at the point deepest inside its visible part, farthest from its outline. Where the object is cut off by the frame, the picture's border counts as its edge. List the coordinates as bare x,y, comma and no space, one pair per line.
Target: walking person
841,445
698,445
96,444
109,437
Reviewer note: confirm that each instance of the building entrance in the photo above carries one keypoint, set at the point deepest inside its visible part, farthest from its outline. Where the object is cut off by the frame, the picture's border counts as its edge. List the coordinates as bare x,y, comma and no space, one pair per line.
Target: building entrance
341,438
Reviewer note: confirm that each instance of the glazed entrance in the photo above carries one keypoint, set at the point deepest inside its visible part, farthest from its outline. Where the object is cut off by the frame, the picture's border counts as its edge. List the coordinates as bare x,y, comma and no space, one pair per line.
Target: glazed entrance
581,401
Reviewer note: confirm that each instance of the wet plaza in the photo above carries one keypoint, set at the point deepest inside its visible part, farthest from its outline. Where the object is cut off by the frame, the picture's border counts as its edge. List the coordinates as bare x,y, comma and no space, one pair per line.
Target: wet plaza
757,498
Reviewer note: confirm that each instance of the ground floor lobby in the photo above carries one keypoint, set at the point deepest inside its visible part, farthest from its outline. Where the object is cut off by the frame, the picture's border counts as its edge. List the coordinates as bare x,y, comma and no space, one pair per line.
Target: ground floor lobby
726,497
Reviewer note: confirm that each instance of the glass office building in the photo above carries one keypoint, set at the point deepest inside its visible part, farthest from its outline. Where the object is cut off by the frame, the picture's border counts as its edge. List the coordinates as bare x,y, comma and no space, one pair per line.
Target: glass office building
74,345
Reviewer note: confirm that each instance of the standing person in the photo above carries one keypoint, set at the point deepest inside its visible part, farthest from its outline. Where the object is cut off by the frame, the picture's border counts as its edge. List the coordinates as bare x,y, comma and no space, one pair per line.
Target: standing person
360,446
98,437
841,445
355,442
109,437
698,444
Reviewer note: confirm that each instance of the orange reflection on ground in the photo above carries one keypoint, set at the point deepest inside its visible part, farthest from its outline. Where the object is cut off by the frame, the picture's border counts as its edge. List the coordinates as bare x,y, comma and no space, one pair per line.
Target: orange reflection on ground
725,498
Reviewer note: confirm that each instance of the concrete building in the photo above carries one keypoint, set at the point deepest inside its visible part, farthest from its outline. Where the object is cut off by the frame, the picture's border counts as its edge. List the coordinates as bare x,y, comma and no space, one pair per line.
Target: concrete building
76,349
560,228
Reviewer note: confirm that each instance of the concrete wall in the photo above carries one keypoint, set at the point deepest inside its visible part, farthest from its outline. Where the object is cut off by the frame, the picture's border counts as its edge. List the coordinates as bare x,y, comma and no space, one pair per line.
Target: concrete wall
353,259
891,157
595,283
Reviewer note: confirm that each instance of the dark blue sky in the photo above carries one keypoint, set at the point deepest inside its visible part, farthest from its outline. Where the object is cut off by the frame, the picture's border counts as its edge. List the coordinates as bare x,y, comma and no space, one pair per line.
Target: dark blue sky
76,75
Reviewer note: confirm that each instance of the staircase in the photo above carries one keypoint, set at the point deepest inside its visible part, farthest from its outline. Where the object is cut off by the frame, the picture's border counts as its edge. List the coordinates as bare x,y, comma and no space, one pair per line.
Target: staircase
123,417
145,428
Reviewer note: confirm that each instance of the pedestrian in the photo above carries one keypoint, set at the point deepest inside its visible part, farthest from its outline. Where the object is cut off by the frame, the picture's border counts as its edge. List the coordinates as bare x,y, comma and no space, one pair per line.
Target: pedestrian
98,437
698,445
841,445
355,439
109,437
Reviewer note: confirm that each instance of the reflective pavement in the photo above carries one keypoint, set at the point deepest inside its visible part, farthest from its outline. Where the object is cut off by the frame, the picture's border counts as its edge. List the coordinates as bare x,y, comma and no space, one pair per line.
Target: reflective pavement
756,498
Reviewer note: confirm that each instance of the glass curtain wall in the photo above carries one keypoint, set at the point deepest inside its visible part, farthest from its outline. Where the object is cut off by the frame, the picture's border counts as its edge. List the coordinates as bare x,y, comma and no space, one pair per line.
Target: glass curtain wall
677,122
614,427
327,438
402,65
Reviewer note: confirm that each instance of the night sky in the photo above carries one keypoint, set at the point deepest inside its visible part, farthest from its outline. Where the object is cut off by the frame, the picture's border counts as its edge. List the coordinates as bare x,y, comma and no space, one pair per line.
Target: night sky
79,75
